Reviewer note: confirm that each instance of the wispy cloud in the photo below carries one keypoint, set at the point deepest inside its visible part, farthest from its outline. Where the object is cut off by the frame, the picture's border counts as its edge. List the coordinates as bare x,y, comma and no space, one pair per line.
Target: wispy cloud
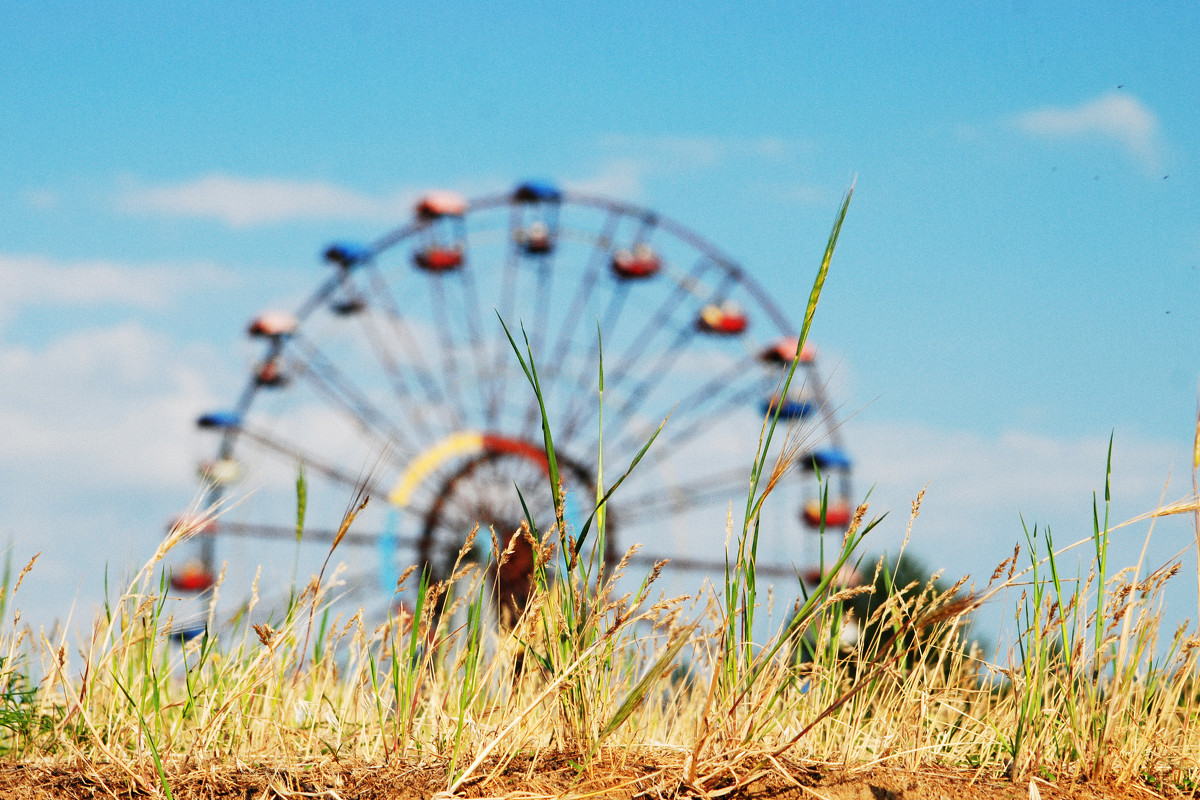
981,487
108,406
617,177
1116,117
99,450
242,202
42,199
28,281
673,153
630,161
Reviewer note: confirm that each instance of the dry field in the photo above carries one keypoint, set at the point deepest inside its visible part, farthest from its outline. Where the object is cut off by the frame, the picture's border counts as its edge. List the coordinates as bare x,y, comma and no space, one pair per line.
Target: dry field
870,690
591,695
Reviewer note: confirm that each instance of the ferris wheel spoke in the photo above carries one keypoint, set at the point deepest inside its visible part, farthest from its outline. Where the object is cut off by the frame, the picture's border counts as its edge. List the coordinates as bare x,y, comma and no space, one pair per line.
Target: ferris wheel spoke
681,422
411,344
686,496
544,276
815,387
656,322
329,381
668,356
417,412
441,321
511,268
352,537
597,260
580,401
473,314
508,290
683,434
318,298
296,454
608,323
579,412
659,371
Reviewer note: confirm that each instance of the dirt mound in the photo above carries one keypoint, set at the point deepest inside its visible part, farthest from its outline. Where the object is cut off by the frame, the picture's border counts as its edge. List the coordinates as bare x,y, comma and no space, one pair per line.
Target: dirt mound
533,779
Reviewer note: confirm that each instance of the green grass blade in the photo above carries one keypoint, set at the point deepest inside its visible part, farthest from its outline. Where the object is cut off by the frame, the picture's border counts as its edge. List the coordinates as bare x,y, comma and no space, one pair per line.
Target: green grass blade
158,765
301,501
638,693
608,494
530,370
601,508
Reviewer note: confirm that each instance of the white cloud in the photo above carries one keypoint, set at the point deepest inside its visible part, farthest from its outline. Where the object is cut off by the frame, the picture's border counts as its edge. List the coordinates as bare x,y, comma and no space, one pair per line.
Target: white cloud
618,177
102,406
678,153
1117,117
241,202
42,199
244,202
99,449
980,486
36,281
634,159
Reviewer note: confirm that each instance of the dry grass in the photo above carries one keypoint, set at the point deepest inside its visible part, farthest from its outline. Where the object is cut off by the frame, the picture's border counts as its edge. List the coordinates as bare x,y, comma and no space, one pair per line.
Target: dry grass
600,692
462,705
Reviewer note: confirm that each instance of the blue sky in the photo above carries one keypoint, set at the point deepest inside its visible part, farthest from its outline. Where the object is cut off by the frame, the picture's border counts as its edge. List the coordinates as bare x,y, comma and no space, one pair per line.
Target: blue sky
1017,278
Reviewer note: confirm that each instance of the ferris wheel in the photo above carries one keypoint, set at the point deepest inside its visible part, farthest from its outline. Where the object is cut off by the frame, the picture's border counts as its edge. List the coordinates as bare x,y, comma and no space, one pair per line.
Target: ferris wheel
396,377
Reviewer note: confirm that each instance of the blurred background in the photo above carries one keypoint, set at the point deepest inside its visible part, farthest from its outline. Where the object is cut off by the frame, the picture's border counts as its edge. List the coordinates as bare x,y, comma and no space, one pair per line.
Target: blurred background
1016,282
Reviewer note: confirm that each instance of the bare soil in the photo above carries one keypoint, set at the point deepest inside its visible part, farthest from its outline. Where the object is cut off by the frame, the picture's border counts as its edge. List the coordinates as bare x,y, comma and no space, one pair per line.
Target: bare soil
633,775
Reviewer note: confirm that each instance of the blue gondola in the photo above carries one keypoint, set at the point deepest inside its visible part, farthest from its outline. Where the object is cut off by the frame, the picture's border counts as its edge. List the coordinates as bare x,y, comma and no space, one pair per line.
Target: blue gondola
829,459
185,635
347,306
346,254
220,420
790,409
537,192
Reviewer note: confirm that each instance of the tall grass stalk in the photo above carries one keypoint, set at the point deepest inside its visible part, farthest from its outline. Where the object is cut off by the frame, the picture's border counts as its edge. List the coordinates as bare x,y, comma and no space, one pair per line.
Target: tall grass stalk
591,621
741,586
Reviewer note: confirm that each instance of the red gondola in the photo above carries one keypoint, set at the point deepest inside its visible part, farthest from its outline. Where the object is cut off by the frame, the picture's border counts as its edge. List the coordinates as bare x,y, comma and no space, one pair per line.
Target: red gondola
270,374
273,324
640,262
837,515
726,319
193,577
441,204
784,350
439,259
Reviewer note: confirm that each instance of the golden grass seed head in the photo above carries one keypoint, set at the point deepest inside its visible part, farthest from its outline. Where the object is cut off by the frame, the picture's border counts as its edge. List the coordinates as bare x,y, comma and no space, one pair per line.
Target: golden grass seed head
266,634
25,571
404,576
